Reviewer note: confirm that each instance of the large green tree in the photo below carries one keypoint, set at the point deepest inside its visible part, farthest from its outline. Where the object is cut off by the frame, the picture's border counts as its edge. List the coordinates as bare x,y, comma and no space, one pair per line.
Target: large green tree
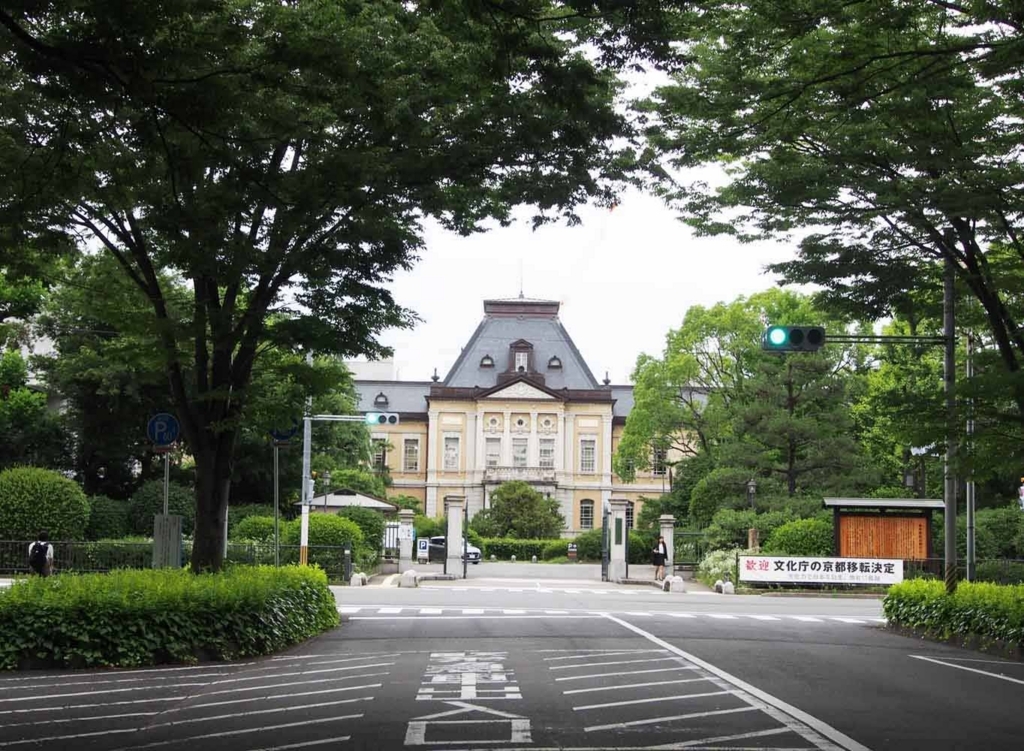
518,510
733,408
280,158
884,136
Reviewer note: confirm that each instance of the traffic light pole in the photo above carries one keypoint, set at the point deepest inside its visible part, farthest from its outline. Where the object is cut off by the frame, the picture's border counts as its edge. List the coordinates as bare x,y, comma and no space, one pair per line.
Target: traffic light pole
948,382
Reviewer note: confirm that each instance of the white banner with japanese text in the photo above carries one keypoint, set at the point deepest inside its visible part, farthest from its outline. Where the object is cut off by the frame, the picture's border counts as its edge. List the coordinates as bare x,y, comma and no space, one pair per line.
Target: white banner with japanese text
787,570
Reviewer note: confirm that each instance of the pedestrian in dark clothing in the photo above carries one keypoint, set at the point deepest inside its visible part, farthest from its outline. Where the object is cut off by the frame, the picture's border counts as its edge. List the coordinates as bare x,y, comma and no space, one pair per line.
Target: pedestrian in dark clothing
658,557
40,555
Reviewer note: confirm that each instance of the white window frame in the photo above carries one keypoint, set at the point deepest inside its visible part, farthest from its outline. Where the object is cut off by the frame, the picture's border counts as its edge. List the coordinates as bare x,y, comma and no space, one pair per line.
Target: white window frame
659,466
488,443
406,443
586,505
546,443
592,440
524,445
630,515
457,437
522,361
379,457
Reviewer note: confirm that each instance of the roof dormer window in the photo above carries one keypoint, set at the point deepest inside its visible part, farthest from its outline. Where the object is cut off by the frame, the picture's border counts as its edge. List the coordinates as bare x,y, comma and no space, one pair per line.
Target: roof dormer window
554,363
522,361
381,400
486,361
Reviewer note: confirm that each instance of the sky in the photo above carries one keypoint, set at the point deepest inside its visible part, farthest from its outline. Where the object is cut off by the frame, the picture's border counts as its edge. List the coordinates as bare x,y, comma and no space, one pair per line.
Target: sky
624,277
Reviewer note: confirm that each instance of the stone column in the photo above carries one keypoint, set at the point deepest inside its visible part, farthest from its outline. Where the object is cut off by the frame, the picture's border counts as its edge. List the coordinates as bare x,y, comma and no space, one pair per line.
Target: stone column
433,437
453,507
405,536
668,526
618,536
506,439
533,450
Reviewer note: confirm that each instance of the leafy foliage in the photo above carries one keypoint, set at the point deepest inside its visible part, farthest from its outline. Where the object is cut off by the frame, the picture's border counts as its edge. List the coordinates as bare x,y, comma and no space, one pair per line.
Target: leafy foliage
811,537
407,501
148,501
975,610
718,565
370,522
30,433
728,528
132,618
519,511
428,526
325,529
107,518
259,528
33,499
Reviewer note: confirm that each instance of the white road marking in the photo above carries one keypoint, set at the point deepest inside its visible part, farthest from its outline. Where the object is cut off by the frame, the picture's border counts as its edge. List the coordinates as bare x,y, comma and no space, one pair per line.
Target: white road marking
392,611
466,617
318,671
306,744
722,616
651,700
96,734
292,683
764,617
225,667
641,615
514,612
806,618
430,611
96,693
632,685
613,662
626,672
270,697
970,670
605,654
658,720
848,620
82,719
64,707
557,612
783,712
726,738
254,712
990,662
346,659
681,615
473,611
228,733
348,610
310,657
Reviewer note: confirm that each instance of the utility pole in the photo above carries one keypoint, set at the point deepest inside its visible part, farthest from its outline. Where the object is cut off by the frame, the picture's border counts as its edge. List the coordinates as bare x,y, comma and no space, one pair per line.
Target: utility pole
948,383
970,472
307,484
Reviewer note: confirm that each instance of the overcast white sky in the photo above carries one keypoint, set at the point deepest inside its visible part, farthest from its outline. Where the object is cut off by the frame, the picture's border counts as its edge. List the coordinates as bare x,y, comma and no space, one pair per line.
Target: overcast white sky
624,278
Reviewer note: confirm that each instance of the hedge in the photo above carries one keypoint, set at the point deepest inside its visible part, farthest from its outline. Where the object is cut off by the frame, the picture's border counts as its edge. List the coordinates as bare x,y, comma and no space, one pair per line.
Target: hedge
108,519
32,499
504,548
259,528
989,612
813,537
148,501
133,618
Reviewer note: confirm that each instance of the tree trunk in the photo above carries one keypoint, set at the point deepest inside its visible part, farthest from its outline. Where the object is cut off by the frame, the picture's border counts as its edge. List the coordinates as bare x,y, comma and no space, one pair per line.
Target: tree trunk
213,485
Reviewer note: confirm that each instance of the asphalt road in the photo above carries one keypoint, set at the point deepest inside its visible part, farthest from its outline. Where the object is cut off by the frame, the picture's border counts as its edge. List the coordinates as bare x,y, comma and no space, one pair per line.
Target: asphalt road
627,673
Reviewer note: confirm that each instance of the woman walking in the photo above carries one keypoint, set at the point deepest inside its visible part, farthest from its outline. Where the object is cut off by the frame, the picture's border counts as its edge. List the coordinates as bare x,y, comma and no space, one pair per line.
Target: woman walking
658,557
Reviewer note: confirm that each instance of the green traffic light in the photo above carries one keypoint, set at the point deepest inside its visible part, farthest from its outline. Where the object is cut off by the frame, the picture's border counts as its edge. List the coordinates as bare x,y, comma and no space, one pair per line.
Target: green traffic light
776,336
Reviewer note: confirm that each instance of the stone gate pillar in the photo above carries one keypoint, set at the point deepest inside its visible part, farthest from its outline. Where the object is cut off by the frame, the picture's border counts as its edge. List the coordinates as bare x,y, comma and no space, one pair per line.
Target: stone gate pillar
454,506
618,535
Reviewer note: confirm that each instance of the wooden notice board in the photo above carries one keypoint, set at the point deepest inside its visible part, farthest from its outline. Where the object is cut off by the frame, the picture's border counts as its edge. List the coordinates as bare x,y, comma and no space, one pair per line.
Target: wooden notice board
883,536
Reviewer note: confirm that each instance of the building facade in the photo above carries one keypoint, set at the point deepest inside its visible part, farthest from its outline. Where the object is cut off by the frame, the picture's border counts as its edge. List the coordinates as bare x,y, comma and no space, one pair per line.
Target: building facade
520,403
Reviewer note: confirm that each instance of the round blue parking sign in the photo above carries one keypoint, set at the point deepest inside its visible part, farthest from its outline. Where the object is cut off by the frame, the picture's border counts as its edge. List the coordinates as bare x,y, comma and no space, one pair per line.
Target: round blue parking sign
163,429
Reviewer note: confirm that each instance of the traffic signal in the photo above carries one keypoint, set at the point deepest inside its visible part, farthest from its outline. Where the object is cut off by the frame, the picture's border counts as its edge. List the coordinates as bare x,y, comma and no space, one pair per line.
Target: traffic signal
381,418
793,338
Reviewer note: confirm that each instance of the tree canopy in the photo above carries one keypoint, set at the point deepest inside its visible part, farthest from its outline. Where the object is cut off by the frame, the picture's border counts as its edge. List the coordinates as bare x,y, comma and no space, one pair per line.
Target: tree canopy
280,158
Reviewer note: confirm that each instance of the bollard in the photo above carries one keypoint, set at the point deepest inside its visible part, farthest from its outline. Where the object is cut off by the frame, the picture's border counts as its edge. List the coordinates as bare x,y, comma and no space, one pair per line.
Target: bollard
513,559
348,565
534,559
408,579
356,580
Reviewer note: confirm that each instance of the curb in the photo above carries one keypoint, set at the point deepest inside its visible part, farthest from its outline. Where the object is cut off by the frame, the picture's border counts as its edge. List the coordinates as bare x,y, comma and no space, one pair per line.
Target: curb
822,595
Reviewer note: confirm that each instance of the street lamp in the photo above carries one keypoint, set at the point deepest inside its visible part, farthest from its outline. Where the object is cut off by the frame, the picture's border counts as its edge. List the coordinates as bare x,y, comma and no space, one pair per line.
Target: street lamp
751,489
327,486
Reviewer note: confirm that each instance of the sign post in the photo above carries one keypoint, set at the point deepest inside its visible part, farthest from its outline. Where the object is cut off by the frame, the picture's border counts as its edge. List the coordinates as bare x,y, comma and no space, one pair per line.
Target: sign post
281,438
162,430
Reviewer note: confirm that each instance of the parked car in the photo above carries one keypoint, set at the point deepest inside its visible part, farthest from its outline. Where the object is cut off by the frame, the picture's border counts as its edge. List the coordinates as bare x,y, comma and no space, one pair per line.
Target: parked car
438,549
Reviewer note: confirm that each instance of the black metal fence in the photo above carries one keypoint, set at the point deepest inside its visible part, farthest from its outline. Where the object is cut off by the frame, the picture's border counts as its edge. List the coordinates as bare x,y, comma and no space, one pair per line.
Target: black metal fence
996,570
100,557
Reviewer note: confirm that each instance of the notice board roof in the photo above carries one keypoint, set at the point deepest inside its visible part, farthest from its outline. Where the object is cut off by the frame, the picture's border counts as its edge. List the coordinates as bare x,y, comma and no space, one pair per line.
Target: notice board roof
885,502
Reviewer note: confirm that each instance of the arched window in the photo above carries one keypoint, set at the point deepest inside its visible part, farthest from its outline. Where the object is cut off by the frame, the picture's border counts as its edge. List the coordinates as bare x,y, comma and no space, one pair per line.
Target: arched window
486,361
586,514
554,363
381,400
629,516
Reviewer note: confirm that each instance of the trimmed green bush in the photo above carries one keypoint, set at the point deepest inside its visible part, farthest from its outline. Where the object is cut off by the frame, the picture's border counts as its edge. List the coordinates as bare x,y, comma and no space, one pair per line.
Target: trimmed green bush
370,522
641,546
108,519
427,526
107,555
506,547
133,618
588,545
148,501
259,528
32,499
324,529
555,549
812,537
990,612
238,514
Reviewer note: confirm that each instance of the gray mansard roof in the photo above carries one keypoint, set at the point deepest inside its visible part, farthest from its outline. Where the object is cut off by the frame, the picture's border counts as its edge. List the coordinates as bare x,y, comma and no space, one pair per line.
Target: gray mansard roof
402,396
508,321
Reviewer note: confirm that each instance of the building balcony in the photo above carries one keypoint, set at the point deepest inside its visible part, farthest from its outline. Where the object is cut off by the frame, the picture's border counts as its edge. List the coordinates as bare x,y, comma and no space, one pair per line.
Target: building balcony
537,475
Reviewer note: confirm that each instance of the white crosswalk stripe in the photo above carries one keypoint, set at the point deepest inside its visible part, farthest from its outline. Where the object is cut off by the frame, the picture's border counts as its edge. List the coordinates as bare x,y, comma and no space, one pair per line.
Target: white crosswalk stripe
375,612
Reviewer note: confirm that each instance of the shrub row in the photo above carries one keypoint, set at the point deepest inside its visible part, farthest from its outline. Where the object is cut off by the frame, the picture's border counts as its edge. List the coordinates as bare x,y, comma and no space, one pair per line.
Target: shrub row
133,618
989,612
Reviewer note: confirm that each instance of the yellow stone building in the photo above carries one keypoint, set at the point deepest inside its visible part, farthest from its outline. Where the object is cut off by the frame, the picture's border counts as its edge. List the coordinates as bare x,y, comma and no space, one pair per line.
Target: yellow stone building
519,403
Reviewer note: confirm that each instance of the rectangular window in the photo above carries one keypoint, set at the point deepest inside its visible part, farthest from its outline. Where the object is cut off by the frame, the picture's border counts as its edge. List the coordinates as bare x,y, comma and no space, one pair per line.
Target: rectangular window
587,515
522,360
547,453
451,453
520,451
658,466
380,454
493,452
411,457
588,456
